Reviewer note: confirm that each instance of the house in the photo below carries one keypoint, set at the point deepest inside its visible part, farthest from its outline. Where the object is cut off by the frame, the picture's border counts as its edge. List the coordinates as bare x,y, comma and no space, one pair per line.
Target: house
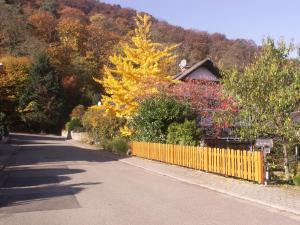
204,70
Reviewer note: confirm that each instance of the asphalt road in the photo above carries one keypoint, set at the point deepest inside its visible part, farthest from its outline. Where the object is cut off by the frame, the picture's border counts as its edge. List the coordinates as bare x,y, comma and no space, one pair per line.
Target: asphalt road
49,182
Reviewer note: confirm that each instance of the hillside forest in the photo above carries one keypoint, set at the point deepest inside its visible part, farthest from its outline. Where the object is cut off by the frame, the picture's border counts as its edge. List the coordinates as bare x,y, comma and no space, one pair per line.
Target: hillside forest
69,42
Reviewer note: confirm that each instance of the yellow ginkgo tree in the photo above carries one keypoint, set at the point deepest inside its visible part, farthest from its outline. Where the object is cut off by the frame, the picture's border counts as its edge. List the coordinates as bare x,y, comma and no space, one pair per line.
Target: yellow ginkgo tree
139,70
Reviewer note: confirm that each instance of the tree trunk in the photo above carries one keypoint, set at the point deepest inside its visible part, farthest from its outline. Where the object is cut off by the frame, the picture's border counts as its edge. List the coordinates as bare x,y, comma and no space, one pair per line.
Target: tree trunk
286,162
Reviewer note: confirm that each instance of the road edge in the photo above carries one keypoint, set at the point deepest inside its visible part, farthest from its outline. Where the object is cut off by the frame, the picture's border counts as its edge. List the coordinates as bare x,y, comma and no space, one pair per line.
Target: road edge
6,160
274,206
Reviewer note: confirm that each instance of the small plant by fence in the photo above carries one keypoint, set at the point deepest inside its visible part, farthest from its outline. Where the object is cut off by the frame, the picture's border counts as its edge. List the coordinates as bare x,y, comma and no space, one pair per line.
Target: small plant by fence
234,163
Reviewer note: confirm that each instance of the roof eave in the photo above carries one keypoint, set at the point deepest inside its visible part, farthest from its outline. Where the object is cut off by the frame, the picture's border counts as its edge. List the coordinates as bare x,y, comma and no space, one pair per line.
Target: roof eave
182,75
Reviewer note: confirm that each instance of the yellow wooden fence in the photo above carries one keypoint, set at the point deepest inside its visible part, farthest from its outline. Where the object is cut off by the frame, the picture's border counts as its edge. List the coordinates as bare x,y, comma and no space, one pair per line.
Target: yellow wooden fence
243,164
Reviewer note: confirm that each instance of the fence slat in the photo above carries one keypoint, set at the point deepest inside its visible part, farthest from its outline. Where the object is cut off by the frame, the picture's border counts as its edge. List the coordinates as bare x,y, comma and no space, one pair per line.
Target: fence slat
249,166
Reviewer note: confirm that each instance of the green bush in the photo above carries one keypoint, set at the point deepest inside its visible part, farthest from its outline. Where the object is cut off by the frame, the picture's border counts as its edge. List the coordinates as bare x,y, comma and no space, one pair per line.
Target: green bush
3,125
107,144
185,133
296,179
79,129
74,125
117,144
154,116
100,126
120,145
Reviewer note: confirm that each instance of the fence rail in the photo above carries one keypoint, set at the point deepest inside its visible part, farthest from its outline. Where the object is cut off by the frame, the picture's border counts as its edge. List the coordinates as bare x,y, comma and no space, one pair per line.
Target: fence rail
243,164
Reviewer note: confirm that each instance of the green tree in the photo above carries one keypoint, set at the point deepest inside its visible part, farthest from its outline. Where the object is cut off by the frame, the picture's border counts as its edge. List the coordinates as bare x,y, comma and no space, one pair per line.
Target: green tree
266,94
41,102
154,116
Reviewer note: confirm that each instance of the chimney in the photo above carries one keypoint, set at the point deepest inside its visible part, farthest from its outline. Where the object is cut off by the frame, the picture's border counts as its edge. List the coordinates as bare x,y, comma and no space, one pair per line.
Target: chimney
183,65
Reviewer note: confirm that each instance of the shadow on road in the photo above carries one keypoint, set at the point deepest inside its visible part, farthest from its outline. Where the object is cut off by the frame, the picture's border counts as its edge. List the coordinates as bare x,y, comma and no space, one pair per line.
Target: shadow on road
38,177
38,149
40,189
15,137
35,177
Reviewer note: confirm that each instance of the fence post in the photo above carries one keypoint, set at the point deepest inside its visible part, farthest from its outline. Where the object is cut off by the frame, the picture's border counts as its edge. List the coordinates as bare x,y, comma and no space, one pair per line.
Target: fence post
262,167
132,147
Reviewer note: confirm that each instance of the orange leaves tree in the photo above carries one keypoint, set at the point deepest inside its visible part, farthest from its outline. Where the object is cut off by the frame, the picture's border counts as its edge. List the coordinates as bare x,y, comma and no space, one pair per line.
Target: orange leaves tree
71,33
100,41
44,23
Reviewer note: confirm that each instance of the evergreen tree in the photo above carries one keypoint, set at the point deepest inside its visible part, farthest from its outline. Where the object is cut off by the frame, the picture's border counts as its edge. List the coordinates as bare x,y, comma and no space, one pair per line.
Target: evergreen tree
41,102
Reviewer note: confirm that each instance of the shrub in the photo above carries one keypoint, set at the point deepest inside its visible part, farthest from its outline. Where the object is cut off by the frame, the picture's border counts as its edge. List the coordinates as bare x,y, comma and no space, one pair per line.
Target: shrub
74,125
100,126
117,144
154,116
185,133
79,129
296,179
107,144
120,144
3,125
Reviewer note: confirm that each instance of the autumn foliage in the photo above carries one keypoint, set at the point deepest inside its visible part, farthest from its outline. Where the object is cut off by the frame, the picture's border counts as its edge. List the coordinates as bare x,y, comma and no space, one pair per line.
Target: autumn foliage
139,70
44,23
204,96
207,99
12,81
71,33
80,35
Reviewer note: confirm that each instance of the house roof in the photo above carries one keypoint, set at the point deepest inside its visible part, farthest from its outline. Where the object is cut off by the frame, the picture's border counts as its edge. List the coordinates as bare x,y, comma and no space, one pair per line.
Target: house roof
207,63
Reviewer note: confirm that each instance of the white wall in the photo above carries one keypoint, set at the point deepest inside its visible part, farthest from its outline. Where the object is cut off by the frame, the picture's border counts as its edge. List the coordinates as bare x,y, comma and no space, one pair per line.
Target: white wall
202,74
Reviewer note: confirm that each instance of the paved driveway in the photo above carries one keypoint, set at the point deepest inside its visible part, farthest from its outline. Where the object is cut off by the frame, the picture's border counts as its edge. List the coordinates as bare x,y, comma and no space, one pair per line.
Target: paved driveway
49,182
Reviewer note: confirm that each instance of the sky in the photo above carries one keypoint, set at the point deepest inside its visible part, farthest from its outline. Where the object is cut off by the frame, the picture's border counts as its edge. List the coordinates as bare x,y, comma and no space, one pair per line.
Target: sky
249,19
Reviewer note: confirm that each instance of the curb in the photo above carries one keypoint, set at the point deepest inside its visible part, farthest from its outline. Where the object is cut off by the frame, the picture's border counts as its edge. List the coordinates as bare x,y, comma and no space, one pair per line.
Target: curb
3,174
3,142
9,156
278,207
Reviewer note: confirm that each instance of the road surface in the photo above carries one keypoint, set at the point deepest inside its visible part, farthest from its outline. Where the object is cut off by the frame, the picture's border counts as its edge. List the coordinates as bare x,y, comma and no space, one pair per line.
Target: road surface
49,182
